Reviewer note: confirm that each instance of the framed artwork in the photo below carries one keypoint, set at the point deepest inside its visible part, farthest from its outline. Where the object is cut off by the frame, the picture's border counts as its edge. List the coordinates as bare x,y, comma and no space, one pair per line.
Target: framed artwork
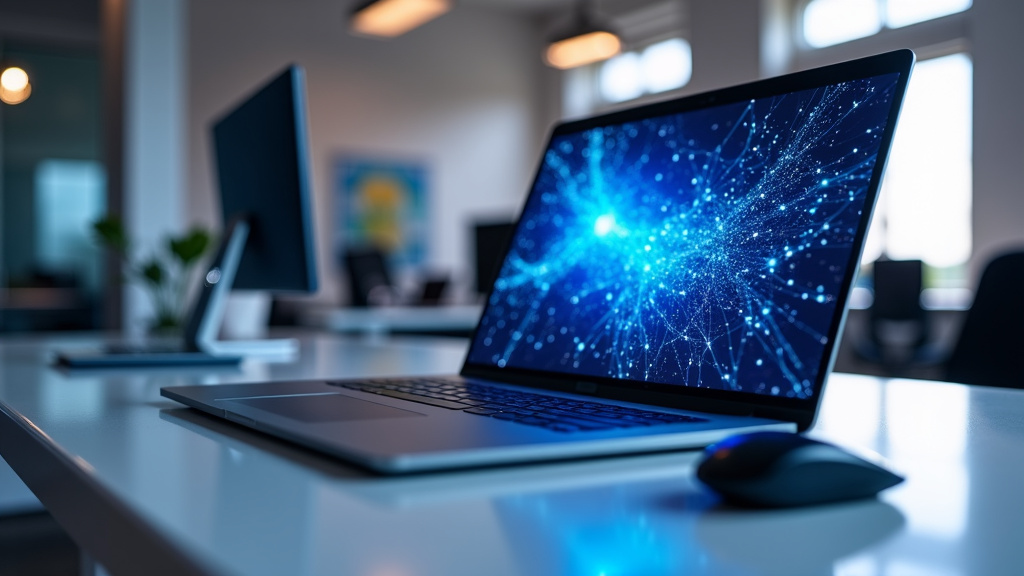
382,202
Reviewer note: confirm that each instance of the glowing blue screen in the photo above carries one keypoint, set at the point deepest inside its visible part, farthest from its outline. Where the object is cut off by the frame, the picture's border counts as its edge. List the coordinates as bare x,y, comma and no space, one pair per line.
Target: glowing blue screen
704,249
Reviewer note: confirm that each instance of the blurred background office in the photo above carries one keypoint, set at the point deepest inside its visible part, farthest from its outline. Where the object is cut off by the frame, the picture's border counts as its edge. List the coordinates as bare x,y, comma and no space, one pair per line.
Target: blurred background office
423,140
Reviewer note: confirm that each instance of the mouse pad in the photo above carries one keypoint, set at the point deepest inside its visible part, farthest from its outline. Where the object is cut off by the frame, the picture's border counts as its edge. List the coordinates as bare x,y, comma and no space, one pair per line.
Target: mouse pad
324,408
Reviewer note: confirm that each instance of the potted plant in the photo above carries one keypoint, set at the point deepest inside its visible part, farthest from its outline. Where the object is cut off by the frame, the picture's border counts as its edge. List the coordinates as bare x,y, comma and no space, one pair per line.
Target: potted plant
165,274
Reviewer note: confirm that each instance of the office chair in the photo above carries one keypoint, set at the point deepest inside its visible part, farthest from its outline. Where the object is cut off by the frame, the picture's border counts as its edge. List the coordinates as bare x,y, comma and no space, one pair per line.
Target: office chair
990,347
370,281
899,330
432,290
490,240
369,277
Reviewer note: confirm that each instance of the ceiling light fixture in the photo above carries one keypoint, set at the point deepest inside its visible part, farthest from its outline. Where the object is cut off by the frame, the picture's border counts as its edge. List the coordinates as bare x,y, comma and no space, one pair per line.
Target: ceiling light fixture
586,41
390,18
14,86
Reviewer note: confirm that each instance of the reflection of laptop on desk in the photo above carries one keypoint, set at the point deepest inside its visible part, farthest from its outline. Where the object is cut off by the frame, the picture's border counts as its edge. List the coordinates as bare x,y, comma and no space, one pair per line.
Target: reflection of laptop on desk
263,170
679,273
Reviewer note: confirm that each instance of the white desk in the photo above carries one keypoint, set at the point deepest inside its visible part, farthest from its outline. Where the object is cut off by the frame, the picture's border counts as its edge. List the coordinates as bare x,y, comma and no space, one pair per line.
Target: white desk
391,319
147,487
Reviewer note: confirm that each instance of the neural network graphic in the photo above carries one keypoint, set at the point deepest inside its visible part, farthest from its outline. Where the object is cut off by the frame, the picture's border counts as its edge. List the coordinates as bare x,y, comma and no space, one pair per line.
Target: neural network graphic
702,249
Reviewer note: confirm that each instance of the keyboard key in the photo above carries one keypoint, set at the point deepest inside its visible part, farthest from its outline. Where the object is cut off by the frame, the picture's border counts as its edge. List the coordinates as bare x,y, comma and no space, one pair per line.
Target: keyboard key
549,412
505,416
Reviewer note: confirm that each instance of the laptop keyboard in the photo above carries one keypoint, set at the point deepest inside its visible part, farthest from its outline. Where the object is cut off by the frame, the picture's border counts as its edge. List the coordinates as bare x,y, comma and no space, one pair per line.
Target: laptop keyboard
551,412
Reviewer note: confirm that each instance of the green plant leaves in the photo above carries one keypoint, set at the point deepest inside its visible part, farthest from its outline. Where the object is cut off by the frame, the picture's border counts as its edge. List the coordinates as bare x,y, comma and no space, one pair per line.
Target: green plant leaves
110,232
190,247
165,274
153,272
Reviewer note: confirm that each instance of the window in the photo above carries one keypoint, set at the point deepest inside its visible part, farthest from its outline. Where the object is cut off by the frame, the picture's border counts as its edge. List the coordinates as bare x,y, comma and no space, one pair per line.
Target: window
621,78
658,67
663,66
829,22
70,196
906,12
52,186
924,208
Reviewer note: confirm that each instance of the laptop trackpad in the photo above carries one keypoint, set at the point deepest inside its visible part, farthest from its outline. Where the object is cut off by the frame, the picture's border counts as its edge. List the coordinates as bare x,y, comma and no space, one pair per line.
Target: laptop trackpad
324,407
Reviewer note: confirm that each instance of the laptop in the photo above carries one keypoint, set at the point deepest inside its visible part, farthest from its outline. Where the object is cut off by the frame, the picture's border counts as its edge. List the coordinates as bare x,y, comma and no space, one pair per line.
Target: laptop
679,273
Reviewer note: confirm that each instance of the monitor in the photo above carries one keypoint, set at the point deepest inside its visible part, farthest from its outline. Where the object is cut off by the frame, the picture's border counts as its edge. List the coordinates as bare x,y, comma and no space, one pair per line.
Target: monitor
490,241
369,279
262,161
263,173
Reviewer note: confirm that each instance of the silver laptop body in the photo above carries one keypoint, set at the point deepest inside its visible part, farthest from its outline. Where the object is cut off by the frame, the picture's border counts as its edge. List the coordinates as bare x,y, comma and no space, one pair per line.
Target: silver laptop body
679,273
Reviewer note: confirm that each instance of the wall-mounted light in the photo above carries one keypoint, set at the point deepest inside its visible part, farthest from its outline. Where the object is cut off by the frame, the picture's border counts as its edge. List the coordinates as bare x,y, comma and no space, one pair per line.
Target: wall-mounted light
390,18
585,41
14,85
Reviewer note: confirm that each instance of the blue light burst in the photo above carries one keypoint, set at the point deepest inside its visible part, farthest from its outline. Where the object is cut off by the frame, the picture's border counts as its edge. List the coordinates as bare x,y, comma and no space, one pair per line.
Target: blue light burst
702,249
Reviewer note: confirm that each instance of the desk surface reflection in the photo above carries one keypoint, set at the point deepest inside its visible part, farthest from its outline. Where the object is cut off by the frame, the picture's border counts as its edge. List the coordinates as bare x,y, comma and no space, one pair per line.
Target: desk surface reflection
146,486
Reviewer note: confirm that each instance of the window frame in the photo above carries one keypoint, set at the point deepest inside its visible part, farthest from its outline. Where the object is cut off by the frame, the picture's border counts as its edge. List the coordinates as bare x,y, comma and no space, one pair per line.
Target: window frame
938,27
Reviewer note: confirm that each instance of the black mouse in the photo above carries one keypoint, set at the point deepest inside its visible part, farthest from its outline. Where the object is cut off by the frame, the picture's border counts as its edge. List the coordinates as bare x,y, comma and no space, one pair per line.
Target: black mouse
779,469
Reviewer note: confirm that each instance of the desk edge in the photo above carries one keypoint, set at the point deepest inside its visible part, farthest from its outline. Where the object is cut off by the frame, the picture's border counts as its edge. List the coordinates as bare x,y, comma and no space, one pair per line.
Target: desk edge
106,529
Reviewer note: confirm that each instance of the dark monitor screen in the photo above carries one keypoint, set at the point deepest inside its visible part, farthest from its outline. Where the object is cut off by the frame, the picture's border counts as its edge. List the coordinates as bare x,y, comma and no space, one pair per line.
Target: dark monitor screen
897,289
263,171
368,275
490,239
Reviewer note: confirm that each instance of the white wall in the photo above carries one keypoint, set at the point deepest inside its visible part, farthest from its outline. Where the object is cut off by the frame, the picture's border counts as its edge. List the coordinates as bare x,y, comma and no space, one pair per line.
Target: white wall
996,46
465,93
154,120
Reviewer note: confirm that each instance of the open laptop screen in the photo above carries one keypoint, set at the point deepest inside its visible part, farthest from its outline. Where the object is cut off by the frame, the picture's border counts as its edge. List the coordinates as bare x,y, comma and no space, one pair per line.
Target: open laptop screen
709,248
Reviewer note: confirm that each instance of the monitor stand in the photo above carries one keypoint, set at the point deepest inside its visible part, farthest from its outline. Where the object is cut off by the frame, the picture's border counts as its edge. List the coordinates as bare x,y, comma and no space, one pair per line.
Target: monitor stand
200,345
203,326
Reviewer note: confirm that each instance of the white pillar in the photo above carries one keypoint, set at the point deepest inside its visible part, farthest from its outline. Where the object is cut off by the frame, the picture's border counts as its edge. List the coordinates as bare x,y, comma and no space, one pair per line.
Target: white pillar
725,36
154,151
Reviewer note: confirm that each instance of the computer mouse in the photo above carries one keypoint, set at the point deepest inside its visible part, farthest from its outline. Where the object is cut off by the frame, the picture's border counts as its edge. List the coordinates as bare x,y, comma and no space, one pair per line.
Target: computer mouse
780,469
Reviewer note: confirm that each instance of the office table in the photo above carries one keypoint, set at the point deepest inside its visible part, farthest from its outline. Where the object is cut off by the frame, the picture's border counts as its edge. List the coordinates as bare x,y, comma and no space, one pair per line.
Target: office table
148,487
391,319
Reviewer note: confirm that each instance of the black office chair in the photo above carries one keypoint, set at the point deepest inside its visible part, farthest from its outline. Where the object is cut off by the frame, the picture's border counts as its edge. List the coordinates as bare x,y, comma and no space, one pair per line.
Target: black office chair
490,240
990,349
899,331
369,277
370,283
